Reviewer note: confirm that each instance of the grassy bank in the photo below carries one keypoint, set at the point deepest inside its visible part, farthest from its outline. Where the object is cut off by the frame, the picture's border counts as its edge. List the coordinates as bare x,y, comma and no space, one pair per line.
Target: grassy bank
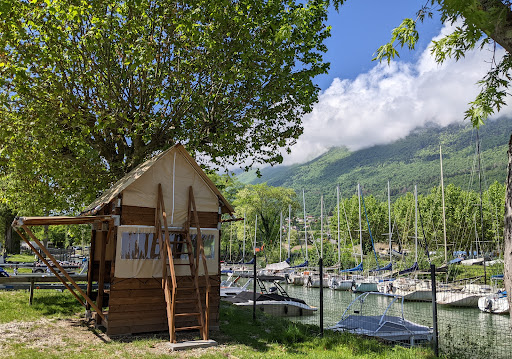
23,258
54,328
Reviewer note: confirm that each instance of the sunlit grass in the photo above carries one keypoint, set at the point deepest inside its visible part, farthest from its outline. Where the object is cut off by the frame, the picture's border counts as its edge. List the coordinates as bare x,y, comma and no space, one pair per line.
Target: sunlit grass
239,336
21,258
46,303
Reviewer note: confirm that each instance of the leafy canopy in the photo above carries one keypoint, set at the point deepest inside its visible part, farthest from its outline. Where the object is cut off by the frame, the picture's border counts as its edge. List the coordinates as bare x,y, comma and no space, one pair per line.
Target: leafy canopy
266,203
89,89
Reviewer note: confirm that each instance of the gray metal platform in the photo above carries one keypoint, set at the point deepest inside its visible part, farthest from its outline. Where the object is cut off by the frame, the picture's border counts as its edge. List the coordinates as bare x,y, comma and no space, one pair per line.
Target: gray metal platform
193,344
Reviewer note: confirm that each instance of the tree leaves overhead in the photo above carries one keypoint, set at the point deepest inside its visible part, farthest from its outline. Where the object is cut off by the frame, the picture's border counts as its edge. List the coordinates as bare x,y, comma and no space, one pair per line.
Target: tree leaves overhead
478,23
92,88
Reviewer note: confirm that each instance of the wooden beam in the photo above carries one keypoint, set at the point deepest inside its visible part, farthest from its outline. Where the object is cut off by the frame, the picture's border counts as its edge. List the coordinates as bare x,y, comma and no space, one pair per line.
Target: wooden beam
58,220
90,272
200,252
63,271
101,277
48,265
170,297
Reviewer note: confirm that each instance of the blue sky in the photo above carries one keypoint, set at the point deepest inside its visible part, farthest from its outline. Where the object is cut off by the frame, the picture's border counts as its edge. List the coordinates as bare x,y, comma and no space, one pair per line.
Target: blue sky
361,26
363,103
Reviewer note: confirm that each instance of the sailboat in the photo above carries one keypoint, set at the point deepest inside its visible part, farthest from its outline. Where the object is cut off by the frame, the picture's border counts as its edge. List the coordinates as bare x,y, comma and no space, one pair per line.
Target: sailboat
470,294
317,280
295,276
364,284
342,281
413,289
496,303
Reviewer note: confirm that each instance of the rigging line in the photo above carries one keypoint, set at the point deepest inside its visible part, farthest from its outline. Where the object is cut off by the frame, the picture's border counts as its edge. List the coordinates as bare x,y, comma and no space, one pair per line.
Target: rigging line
424,235
469,186
348,226
369,231
489,202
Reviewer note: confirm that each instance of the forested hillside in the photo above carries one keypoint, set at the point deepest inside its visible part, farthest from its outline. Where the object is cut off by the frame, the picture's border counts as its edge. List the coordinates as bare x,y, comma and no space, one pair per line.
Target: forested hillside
406,162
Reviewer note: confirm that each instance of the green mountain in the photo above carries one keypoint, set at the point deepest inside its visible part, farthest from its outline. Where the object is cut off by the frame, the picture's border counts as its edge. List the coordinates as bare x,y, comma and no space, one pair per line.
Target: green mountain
406,162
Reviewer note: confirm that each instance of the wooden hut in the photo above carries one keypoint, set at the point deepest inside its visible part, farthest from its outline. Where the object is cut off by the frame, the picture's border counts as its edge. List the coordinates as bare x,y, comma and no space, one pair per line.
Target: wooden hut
155,249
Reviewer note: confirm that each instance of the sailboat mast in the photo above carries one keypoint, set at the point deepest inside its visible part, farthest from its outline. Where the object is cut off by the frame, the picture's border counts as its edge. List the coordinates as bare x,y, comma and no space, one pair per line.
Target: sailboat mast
255,233
230,238
243,246
289,230
305,224
416,223
281,238
360,226
481,207
338,206
389,222
444,210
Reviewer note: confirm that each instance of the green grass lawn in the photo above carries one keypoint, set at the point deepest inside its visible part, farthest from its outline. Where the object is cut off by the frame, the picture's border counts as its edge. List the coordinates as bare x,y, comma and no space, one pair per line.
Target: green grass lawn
54,327
21,258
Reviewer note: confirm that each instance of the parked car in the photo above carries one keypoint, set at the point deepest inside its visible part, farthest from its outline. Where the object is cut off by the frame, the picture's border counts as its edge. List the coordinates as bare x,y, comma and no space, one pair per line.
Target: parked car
40,267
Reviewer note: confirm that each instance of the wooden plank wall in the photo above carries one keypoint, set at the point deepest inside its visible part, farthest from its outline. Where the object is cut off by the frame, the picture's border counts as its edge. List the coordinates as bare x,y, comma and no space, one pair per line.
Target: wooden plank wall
137,305
145,216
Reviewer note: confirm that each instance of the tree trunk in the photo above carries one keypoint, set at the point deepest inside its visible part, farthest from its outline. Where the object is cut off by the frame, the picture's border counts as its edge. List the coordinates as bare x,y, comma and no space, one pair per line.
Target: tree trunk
45,236
507,255
12,240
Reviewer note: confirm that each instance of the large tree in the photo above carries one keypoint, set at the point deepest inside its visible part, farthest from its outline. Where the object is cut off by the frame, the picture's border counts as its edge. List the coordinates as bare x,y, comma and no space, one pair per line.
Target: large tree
266,203
89,89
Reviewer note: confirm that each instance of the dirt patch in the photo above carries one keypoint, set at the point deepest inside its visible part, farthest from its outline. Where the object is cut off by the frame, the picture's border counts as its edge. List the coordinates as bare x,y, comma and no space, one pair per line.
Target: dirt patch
77,335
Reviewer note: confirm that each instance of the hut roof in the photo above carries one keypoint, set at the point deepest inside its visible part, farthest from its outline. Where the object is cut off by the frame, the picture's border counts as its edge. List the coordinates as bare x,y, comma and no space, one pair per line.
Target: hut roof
142,168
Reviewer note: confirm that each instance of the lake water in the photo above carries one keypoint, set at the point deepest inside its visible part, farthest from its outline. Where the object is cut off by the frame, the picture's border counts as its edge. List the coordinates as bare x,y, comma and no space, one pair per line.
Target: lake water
463,332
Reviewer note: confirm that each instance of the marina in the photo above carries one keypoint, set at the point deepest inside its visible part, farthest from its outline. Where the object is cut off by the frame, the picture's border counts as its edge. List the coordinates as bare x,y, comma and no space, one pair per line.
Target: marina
459,328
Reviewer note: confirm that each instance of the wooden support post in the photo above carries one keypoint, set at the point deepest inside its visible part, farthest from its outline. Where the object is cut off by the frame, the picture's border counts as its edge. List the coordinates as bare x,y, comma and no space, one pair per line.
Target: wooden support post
101,279
90,272
48,265
62,270
31,294
200,252
168,284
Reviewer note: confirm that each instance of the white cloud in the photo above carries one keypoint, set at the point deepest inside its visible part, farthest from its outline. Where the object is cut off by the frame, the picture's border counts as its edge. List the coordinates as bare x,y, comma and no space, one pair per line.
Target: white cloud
388,102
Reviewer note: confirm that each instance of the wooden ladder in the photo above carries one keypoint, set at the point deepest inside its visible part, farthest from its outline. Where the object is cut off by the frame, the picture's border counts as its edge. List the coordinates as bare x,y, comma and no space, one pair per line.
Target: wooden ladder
179,292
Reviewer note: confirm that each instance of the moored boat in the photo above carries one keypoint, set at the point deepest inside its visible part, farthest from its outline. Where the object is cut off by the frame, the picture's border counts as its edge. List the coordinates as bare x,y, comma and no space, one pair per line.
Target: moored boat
275,301
495,303
387,327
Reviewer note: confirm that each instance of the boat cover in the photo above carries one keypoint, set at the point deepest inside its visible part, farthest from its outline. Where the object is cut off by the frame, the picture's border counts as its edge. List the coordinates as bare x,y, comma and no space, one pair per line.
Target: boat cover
358,268
387,327
250,262
302,265
278,266
388,266
456,260
414,267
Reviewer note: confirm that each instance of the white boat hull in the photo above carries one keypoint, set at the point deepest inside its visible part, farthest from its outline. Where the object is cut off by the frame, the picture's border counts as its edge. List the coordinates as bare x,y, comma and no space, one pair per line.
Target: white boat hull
496,304
345,284
458,299
415,295
315,282
281,309
360,287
